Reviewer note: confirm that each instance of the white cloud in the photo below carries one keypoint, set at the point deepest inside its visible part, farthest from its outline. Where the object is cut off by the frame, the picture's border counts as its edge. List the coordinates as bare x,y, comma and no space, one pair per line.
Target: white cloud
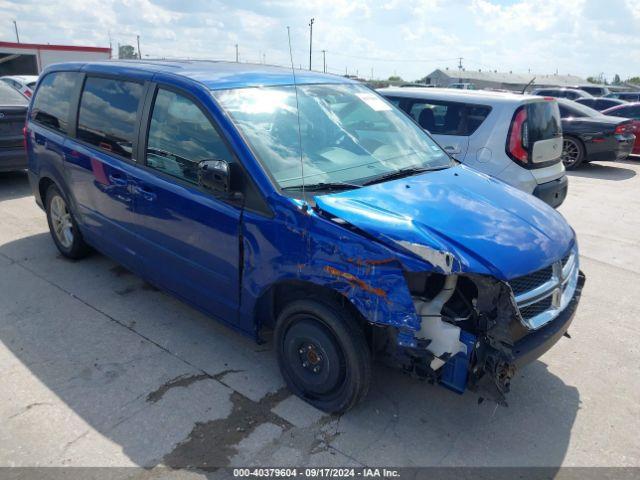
582,37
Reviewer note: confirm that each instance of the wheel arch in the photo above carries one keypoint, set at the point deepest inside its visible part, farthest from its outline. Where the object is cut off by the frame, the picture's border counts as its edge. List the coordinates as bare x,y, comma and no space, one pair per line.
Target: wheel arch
275,298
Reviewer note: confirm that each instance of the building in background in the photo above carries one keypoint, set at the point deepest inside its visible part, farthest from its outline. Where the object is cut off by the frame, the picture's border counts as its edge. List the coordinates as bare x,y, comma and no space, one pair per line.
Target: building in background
499,80
32,58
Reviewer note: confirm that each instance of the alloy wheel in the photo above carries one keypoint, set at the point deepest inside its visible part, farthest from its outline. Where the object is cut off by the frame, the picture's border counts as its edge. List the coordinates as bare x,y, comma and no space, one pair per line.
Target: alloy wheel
61,221
570,152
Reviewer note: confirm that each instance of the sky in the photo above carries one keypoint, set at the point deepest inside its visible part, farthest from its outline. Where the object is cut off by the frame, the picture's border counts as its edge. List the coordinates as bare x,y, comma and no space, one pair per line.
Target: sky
409,38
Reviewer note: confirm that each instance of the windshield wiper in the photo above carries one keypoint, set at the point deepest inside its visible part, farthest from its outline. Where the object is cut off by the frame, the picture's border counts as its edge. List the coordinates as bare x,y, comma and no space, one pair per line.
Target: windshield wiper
316,187
403,172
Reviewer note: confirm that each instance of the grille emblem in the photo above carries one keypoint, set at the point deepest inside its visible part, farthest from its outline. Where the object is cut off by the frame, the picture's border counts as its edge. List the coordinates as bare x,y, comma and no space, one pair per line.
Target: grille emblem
557,293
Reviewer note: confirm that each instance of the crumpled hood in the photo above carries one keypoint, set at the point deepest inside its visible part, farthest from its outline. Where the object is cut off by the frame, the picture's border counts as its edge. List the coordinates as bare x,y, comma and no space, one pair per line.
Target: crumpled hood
487,226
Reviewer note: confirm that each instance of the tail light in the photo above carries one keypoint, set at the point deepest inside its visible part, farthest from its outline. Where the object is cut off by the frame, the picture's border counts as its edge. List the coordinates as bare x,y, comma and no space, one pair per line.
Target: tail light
622,129
28,93
518,139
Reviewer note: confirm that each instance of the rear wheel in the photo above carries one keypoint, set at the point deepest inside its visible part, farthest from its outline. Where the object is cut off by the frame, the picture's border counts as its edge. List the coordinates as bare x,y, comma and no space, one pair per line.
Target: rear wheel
63,227
323,355
572,153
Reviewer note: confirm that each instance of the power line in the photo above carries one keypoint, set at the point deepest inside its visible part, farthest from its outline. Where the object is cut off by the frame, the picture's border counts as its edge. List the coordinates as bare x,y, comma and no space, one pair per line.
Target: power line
397,60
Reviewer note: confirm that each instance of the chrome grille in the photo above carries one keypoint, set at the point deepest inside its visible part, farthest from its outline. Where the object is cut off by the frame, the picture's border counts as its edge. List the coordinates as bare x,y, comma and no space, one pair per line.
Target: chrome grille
528,282
543,294
534,309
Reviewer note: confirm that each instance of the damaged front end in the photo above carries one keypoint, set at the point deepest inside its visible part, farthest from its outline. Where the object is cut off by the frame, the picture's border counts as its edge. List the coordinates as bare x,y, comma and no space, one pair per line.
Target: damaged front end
476,330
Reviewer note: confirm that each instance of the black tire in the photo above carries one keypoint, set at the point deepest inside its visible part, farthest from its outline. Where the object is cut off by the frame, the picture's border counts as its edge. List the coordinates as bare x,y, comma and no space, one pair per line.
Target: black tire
573,152
329,340
71,245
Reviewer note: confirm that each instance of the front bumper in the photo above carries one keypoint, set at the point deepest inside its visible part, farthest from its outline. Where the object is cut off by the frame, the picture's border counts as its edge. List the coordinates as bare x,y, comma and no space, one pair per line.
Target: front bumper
536,343
553,193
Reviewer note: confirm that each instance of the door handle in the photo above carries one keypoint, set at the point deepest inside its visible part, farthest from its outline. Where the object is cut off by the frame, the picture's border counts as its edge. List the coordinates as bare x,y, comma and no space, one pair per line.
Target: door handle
116,179
144,191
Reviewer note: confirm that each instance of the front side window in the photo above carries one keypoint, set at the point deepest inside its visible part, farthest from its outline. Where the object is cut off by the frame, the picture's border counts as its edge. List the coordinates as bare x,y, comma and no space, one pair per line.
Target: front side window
53,100
343,133
180,137
107,117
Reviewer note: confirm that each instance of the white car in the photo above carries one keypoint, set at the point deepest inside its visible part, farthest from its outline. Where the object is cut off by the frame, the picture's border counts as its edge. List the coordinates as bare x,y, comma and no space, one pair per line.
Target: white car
515,138
25,84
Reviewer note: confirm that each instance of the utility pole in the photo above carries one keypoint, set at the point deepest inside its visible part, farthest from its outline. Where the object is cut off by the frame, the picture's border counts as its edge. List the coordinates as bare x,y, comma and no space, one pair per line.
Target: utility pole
264,58
324,61
460,69
139,53
15,26
310,40
237,57
371,73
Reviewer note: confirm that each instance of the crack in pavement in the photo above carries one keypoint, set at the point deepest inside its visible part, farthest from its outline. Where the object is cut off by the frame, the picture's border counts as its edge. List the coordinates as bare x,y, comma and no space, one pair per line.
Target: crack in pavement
211,445
245,417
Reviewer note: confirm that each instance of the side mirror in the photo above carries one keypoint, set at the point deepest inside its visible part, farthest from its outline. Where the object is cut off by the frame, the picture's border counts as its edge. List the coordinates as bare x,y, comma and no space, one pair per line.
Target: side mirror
215,175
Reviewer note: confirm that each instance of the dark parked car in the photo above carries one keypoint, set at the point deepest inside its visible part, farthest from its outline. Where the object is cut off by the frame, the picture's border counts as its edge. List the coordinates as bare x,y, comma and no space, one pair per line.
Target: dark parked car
589,135
632,112
561,92
600,104
595,90
13,110
315,210
627,96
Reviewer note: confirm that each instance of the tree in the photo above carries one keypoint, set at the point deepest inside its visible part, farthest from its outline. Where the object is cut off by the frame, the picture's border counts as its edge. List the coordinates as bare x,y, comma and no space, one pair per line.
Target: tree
616,79
634,80
126,52
600,79
395,78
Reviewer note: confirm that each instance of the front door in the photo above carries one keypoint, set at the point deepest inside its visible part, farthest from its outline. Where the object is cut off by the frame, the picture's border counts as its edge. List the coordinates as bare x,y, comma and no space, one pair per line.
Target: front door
191,236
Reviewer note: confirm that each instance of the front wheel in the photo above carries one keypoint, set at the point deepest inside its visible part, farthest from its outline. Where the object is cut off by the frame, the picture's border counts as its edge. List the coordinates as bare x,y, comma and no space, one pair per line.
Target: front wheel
323,355
572,153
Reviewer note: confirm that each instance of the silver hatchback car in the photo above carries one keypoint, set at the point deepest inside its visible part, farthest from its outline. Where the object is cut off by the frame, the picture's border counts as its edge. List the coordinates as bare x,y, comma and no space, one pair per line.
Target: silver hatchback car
515,138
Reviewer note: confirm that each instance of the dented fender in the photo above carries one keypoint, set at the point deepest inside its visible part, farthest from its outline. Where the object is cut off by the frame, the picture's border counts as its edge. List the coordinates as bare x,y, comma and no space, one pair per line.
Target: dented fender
302,245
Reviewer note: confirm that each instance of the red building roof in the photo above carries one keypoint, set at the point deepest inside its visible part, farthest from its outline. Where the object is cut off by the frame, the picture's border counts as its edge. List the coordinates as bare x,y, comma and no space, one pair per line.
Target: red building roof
43,46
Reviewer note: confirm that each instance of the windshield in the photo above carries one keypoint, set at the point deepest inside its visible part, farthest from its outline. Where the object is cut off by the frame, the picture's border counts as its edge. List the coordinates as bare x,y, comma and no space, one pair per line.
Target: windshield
348,134
11,97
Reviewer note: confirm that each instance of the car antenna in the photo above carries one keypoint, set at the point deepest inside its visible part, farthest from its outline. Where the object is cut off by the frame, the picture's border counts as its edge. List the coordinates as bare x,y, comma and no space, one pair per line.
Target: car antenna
528,84
295,88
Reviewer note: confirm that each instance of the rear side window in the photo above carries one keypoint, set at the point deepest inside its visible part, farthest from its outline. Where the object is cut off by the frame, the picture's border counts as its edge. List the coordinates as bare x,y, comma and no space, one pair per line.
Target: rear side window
567,112
629,112
53,100
107,117
543,121
180,137
448,118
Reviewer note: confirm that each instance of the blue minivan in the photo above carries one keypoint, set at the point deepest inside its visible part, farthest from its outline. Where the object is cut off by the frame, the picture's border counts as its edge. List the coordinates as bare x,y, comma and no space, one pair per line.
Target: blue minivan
307,207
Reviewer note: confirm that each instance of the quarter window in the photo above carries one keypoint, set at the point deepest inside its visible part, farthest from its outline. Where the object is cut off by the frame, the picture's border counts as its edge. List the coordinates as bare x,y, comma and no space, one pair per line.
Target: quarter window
53,100
107,117
180,137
